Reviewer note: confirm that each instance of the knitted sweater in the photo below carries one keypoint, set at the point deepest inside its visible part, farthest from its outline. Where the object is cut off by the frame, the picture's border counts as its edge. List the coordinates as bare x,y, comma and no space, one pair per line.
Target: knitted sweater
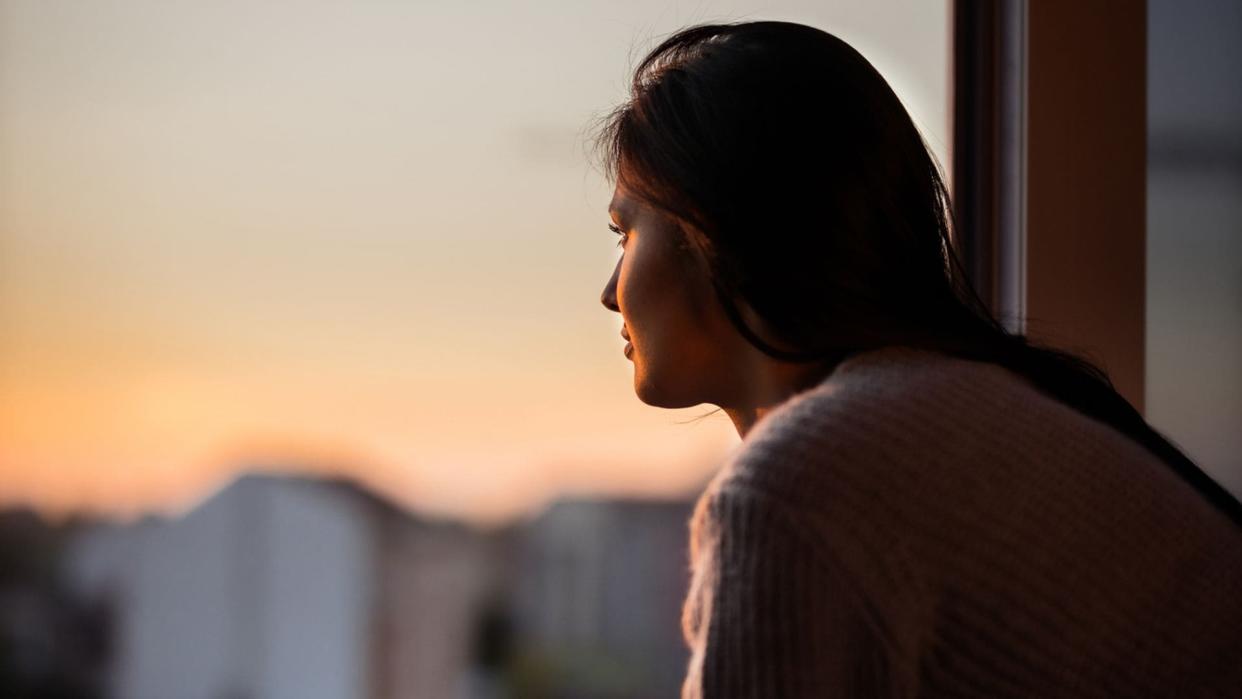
922,525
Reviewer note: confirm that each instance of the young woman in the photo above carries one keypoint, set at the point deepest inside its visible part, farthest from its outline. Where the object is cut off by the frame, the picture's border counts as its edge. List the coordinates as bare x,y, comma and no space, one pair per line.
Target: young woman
923,504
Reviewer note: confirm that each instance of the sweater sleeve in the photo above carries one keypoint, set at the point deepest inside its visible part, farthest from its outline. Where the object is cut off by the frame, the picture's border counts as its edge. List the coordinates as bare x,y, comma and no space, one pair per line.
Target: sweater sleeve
768,613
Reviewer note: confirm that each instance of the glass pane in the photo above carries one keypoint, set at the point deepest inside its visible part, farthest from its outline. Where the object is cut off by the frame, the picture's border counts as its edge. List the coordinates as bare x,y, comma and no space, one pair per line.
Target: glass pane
1194,231
360,243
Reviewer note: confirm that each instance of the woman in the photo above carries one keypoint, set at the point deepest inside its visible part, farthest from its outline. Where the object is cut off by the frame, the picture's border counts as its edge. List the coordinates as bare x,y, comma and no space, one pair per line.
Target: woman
923,504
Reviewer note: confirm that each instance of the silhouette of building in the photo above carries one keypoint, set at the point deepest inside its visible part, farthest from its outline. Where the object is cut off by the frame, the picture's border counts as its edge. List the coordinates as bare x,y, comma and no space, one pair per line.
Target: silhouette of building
282,587
279,587
597,600
51,644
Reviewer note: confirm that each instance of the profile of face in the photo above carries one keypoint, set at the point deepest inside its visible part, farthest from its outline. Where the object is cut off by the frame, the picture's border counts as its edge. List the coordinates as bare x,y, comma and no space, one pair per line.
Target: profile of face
683,345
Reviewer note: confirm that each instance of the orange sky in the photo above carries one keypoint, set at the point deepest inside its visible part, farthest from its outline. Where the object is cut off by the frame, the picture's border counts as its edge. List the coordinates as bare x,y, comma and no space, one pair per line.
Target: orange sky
357,238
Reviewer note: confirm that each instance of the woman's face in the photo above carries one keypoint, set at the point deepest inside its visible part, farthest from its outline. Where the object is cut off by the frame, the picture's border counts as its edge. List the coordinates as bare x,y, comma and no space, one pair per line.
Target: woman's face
681,339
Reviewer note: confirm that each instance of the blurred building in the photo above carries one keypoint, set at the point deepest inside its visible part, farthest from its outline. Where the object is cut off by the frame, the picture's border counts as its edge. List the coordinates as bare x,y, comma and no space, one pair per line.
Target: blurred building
597,601
52,645
285,587
281,587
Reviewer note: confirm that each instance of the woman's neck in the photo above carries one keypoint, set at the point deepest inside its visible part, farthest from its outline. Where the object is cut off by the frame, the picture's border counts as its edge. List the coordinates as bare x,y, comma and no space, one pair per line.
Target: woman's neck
769,382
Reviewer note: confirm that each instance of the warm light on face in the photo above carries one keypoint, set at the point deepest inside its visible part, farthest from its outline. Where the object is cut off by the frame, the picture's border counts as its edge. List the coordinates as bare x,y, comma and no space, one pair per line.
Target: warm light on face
681,338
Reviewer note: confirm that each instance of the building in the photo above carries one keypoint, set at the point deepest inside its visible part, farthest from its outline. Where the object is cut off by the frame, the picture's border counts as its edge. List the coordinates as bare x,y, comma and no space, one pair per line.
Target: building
279,587
597,602
282,587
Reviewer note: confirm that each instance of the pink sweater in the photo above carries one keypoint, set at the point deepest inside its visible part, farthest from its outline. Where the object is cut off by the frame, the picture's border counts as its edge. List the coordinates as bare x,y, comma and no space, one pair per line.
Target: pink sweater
920,525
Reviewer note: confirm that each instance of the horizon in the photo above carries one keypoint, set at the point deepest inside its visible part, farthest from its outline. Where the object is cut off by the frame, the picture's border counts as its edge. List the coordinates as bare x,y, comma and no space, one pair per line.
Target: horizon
171,515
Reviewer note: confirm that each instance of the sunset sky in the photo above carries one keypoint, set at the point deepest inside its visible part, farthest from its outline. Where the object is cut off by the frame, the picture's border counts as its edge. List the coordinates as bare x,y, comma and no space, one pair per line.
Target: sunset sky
353,238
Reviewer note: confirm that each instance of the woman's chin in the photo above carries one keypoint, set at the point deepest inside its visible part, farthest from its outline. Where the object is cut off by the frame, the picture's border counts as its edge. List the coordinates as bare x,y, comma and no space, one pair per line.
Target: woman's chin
663,394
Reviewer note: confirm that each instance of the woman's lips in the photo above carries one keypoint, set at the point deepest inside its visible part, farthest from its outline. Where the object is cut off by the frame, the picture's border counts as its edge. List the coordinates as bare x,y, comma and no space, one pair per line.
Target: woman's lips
629,349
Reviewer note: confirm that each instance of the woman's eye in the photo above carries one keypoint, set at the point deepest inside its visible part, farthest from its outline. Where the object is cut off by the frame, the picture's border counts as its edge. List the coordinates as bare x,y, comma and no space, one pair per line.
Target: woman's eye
624,236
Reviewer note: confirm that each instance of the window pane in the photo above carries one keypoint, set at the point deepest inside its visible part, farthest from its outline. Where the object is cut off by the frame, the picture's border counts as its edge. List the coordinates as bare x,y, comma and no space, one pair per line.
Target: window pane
1194,231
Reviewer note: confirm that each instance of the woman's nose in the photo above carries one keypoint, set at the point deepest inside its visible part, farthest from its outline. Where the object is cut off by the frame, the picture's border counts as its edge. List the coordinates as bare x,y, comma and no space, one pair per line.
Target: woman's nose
609,297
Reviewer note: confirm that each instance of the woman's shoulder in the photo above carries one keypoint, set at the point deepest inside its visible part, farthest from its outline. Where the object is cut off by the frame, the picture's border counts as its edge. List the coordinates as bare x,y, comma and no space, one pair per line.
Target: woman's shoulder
902,435
883,412
907,440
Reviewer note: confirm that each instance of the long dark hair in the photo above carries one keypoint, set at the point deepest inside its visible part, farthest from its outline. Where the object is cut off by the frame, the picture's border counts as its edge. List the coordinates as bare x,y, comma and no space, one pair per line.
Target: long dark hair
808,190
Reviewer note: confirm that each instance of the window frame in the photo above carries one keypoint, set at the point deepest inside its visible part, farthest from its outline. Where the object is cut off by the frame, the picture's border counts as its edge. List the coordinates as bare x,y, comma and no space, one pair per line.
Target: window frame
1049,172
